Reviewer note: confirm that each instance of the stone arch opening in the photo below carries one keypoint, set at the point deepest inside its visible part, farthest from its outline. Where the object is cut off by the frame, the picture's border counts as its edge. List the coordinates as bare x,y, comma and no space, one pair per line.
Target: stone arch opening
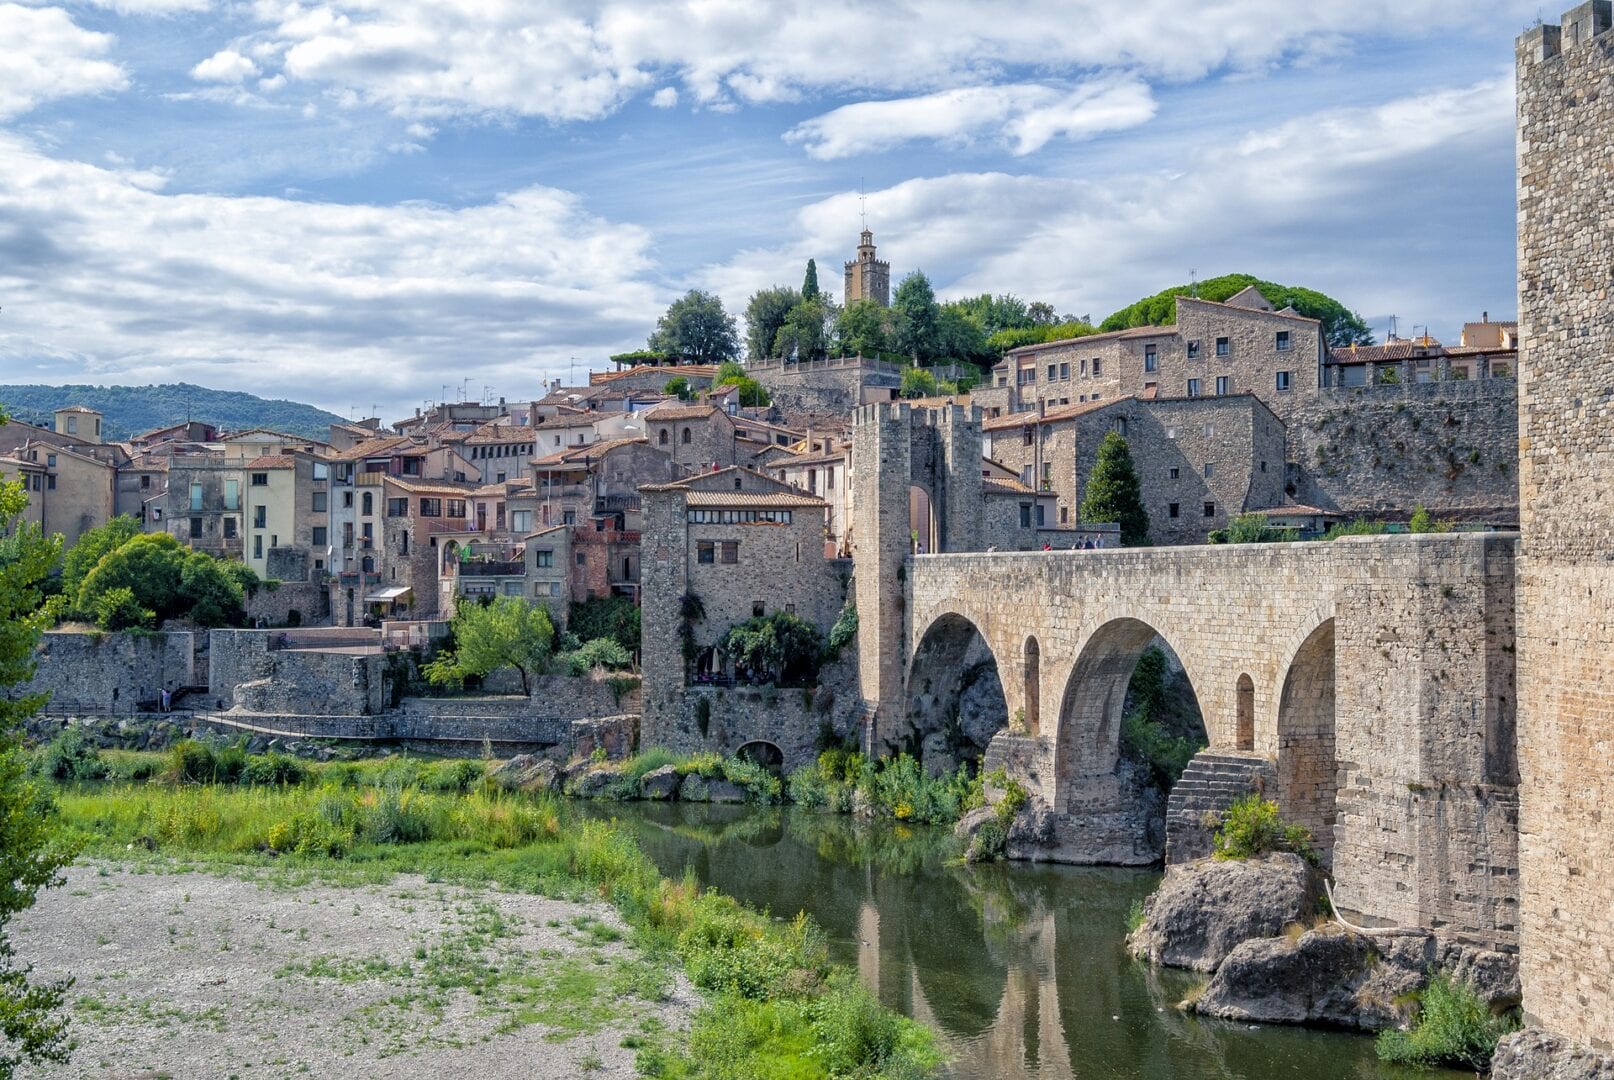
923,537
451,555
955,699
1307,769
1032,685
1129,722
764,753
1244,715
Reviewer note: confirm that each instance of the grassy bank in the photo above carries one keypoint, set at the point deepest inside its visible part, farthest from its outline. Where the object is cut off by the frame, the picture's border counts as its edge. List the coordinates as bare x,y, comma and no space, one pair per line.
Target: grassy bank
776,1007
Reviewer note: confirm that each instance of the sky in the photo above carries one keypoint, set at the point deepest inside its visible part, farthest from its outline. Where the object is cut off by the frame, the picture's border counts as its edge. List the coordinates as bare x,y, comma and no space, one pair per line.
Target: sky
373,204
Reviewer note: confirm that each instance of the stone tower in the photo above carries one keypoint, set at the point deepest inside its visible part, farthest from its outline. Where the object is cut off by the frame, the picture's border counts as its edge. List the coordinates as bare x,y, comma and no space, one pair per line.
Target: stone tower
868,278
1566,500
896,448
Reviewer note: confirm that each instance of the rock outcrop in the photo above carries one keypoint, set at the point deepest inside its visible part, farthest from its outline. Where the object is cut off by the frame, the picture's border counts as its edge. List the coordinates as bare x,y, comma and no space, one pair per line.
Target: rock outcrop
660,784
527,772
1335,976
1533,1054
1204,910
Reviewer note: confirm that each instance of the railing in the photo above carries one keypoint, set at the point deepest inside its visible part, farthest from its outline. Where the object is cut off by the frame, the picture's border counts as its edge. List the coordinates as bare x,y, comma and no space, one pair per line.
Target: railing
492,569
616,502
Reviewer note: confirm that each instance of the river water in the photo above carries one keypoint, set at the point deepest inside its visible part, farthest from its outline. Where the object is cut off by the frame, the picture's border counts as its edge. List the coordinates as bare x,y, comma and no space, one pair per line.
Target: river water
1022,969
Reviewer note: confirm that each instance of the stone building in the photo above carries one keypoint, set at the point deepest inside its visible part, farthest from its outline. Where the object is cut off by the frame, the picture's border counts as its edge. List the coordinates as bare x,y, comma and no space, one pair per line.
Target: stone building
500,451
867,278
201,506
79,489
547,559
79,421
1212,350
697,437
286,506
1566,486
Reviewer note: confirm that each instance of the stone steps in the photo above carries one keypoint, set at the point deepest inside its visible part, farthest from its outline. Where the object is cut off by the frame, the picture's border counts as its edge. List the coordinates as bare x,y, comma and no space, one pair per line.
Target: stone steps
1213,781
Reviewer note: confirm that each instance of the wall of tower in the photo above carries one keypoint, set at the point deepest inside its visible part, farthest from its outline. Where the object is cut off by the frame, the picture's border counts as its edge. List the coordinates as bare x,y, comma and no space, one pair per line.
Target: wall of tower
1566,488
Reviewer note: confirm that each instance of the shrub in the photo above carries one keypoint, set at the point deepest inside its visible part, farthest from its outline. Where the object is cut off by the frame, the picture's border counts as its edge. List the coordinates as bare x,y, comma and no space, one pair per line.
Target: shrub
730,950
1454,1027
1134,916
117,609
393,816
600,654
760,785
1252,827
274,770
190,762
70,756
845,628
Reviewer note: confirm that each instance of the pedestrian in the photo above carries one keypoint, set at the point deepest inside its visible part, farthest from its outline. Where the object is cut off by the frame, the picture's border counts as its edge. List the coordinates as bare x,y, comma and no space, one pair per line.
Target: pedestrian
168,699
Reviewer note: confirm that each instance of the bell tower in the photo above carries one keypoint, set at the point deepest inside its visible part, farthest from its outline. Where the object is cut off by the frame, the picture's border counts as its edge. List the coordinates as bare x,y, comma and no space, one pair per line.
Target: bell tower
868,278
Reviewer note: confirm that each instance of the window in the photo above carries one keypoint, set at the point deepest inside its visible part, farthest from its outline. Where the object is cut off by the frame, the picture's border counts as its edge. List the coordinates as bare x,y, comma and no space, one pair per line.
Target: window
260,516
731,551
456,508
321,536
274,540
403,542
521,521
431,508
1282,381
685,437
145,483
1151,358
1098,366
1193,350
72,425
1193,387
1064,371
1263,466
322,471
319,502
1028,375
229,528
1283,341
196,496
411,466
368,506
347,534
543,558
368,534
568,517
1064,515
50,482
758,609
347,500
737,517
260,479
196,528
1084,369
1210,429
50,461
1224,385
1224,347
1210,469
368,565
1040,513
706,552
395,507
663,438
1025,515
1172,510
232,494
1173,473
582,559
1210,509
1029,435
1051,369
257,546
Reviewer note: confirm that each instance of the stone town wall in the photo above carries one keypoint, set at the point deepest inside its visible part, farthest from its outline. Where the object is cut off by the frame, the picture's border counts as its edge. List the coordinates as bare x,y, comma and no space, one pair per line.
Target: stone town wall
820,387
246,672
1451,447
111,672
310,599
1566,494
1413,729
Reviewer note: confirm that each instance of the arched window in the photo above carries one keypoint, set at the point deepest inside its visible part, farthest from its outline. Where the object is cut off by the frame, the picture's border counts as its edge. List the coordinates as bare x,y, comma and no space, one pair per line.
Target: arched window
686,435
1244,737
663,436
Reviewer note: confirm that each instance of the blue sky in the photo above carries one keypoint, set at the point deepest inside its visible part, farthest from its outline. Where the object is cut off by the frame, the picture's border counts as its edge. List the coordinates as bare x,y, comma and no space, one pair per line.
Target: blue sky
357,202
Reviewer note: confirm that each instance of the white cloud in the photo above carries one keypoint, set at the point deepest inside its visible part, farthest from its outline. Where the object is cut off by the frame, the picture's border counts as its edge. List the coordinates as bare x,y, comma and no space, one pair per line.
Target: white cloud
665,98
105,279
571,60
1022,116
1360,203
225,66
44,54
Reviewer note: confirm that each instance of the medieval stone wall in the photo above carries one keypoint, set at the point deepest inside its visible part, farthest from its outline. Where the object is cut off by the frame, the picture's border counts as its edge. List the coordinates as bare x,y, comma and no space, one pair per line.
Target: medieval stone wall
111,672
1565,107
1379,451
247,672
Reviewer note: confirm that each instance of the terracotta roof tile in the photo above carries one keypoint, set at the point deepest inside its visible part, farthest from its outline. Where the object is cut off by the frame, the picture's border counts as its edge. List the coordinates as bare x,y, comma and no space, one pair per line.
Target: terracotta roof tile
752,499
272,461
1053,415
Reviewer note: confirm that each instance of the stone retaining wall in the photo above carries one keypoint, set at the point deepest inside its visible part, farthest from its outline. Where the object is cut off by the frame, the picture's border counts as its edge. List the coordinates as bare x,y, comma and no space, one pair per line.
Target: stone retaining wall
99,672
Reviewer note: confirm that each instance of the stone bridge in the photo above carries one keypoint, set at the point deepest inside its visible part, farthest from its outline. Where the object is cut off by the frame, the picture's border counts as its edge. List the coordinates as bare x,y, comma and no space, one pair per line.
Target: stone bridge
1369,682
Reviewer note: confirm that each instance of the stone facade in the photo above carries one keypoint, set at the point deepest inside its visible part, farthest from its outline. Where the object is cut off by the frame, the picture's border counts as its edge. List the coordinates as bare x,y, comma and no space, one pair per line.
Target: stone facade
697,438
249,672
836,385
867,278
1566,497
102,673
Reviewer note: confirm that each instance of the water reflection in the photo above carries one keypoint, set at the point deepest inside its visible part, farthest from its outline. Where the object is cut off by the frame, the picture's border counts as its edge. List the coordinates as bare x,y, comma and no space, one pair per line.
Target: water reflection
1022,968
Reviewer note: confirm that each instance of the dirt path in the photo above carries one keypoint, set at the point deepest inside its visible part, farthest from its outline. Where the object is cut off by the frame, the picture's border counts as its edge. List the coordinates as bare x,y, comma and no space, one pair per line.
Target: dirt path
189,974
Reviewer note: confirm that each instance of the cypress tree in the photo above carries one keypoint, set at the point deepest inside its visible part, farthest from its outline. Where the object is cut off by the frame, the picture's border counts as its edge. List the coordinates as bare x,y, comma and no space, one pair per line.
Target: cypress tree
809,284
1113,493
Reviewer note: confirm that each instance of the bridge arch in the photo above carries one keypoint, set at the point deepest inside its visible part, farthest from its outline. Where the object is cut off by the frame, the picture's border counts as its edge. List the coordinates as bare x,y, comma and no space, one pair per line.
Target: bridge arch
764,753
1308,783
955,701
1087,745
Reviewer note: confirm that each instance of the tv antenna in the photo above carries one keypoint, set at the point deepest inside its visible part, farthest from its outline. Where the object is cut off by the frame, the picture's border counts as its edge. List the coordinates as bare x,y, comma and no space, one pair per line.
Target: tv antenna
1193,283
862,205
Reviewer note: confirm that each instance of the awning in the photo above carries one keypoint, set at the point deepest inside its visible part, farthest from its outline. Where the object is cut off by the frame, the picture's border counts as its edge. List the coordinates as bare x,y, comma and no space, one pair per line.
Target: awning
389,596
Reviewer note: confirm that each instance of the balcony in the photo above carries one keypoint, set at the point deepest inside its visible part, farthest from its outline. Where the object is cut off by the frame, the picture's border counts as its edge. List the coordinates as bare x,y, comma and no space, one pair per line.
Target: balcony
608,503
492,569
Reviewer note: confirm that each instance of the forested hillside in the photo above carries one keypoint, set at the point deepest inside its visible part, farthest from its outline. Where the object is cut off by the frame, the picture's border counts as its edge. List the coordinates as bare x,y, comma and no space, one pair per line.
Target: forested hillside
128,410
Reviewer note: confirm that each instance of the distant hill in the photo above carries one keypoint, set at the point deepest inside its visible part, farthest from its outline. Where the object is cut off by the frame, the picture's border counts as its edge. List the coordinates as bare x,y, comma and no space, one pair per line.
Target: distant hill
129,410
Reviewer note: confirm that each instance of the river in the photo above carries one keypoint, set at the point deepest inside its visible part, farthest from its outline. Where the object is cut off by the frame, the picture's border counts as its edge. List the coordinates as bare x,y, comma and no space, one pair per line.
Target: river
1021,968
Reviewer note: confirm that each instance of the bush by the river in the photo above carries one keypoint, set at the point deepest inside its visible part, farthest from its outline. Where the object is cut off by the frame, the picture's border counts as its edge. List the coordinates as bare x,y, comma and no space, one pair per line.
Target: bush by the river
897,787
1454,1027
1252,827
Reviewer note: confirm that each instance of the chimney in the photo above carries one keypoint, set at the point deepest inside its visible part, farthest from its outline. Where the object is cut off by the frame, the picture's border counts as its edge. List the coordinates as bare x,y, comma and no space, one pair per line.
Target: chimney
1485,316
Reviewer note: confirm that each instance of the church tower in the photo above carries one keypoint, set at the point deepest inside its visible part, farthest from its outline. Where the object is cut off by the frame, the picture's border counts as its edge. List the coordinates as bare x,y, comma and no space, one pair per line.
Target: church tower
868,278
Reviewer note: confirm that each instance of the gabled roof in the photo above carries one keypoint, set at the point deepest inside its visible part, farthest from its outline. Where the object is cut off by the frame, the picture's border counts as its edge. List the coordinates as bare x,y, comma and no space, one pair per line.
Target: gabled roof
1051,416
448,487
752,499
382,446
272,461
678,411
704,480
1112,335
584,455
1003,486
80,409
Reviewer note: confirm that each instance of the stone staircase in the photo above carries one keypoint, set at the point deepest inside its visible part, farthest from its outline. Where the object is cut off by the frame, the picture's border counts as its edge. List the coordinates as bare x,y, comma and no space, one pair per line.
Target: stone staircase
1213,781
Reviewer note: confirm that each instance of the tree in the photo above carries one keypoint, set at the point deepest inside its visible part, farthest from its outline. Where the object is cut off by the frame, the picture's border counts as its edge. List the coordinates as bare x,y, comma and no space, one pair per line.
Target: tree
31,854
863,329
753,395
1113,493
765,313
91,546
168,580
678,387
960,338
614,617
1341,326
213,591
914,305
917,383
774,649
806,330
697,330
510,632
809,284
